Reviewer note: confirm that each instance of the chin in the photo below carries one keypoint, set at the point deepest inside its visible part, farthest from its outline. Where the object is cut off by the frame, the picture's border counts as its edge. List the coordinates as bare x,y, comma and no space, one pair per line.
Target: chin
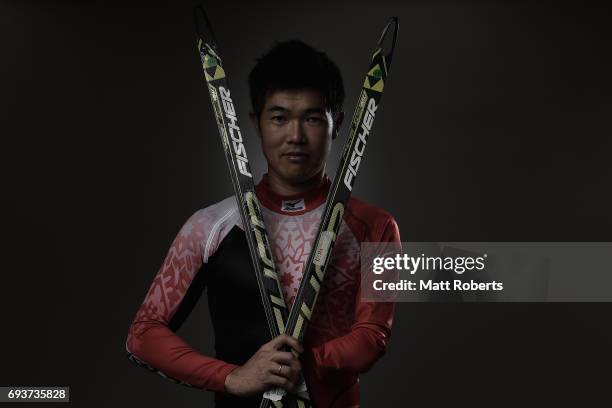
297,177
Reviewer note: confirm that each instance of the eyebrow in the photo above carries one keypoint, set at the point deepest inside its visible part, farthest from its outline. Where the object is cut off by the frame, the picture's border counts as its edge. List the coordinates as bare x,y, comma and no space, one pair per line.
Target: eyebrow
277,108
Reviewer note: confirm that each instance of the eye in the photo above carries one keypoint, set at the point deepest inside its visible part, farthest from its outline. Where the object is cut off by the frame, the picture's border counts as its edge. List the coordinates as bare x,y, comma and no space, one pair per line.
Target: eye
278,119
315,120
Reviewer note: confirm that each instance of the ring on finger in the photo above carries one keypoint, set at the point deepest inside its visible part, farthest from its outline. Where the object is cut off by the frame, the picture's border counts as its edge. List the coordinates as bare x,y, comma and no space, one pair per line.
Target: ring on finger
280,369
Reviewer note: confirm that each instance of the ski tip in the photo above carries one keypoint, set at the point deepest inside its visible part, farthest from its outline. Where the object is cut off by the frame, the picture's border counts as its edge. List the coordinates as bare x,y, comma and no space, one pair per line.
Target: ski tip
203,27
388,38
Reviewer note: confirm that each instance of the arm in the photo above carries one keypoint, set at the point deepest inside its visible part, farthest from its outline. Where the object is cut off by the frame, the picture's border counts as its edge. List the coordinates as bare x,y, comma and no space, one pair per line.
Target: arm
152,342
358,350
150,339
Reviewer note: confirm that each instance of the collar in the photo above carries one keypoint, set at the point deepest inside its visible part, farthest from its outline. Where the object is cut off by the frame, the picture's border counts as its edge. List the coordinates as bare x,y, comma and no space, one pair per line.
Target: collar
296,204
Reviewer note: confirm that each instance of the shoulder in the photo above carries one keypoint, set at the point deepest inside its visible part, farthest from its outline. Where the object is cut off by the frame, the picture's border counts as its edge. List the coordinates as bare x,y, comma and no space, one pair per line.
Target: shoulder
208,226
218,212
368,222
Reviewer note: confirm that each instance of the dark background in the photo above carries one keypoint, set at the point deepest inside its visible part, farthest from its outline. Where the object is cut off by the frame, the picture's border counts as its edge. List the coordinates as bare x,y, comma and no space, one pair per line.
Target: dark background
495,126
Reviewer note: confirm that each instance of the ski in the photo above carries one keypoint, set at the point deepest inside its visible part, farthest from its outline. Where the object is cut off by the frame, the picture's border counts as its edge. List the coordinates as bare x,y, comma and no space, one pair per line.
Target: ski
244,188
340,191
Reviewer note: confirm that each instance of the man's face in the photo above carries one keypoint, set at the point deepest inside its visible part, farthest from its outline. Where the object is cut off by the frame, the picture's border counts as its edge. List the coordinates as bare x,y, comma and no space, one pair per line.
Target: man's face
296,134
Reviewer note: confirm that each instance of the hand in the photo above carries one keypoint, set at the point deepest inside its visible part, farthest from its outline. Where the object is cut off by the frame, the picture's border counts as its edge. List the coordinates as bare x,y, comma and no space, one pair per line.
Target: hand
268,367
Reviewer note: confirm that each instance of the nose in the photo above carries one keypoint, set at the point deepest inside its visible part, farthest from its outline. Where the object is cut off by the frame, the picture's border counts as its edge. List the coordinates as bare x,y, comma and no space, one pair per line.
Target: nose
295,132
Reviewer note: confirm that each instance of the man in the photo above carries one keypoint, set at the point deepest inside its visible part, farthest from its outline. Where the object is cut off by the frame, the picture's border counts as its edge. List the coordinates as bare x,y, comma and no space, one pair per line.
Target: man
297,96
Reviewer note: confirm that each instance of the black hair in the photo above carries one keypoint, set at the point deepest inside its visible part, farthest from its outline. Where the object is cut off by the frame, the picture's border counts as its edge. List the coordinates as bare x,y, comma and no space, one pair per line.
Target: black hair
295,65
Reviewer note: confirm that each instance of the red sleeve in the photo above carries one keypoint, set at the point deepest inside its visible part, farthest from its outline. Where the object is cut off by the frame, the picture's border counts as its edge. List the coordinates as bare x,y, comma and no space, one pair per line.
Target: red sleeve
358,350
151,341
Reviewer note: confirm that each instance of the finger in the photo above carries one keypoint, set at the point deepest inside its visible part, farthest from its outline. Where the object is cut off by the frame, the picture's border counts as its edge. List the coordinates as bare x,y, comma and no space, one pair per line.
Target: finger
280,370
293,343
291,371
273,344
283,357
294,364
283,340
296,367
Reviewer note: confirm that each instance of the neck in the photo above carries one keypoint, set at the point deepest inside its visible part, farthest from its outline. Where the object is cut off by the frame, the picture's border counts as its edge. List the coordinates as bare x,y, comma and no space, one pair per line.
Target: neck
281,187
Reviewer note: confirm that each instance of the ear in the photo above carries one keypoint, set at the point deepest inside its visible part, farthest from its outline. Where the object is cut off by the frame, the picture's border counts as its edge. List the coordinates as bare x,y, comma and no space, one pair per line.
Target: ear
255,120
337,124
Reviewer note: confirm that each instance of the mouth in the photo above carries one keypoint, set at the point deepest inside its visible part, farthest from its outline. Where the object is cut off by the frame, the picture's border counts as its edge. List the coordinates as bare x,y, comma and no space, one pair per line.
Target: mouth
295,157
